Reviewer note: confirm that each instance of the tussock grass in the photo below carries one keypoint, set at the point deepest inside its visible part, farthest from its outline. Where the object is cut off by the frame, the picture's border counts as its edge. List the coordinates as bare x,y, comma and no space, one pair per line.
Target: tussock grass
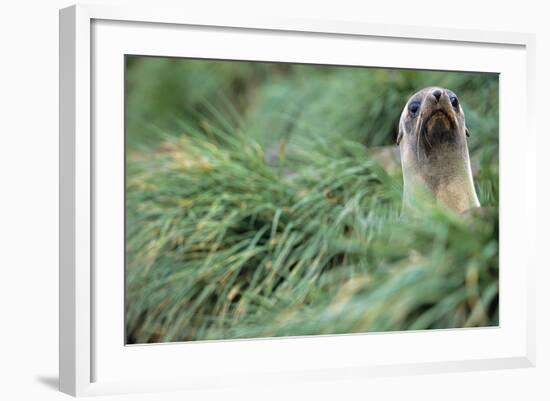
259,211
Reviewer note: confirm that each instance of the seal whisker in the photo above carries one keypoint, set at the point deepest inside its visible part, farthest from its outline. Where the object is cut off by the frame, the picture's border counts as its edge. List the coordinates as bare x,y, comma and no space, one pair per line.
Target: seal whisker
427,140
419,128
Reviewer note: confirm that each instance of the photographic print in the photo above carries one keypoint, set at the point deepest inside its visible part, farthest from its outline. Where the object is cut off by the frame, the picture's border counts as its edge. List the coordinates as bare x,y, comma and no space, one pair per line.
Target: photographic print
268,199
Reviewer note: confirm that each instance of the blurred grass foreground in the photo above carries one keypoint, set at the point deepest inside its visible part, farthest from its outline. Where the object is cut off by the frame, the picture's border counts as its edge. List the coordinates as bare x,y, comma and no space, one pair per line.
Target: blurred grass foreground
256,205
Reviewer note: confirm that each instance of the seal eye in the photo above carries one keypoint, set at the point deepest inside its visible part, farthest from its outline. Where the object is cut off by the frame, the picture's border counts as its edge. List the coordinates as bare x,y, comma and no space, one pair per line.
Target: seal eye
454,101
413,107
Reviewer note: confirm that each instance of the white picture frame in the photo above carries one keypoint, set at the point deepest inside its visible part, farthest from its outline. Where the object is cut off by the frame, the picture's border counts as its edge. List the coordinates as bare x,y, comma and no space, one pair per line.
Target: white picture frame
93,357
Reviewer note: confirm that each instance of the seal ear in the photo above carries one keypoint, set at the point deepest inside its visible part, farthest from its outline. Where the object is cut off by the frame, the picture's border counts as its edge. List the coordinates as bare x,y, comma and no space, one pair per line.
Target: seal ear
467,132
399,135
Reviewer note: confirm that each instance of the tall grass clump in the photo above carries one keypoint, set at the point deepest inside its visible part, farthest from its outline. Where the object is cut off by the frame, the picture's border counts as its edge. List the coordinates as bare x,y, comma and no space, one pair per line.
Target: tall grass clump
263,212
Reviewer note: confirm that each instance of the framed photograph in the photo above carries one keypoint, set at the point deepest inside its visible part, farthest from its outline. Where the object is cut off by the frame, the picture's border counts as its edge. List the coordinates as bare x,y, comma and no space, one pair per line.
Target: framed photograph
267,200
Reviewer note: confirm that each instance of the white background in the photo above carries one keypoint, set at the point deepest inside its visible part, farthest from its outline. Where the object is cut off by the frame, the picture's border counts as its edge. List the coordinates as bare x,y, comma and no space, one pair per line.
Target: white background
29,186
112,362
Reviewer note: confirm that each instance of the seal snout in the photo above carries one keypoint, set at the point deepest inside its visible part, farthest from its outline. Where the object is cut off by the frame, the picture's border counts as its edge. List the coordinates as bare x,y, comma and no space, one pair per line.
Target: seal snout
438,111
439,124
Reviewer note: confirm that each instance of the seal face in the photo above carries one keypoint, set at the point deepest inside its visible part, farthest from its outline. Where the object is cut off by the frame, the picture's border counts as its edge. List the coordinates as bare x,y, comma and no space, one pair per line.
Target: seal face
434,150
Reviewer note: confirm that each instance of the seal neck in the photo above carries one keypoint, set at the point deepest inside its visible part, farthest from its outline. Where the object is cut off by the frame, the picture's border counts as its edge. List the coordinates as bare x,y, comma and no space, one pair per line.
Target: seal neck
443,177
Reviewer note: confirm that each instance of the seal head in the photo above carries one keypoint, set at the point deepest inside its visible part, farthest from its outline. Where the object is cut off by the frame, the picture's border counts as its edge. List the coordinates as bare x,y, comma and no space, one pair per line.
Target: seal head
433,144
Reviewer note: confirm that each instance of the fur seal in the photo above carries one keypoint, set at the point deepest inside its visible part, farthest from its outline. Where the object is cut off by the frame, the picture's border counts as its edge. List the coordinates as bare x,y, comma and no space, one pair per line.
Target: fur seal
433,144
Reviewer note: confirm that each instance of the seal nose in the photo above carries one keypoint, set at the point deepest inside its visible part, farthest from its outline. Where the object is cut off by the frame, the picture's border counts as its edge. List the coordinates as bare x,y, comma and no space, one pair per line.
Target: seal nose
437,94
